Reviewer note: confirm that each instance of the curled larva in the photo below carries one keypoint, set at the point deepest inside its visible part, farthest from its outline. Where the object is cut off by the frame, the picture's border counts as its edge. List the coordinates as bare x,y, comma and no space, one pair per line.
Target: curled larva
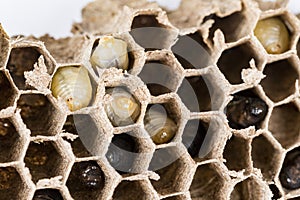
121,107
273,35
72,84
160,127
110,52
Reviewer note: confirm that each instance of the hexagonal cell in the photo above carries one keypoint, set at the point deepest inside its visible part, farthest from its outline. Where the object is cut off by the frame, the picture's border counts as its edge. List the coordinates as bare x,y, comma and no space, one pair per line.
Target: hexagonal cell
37,113
284,124
11,184
157,34
161,121
8,92
47,194
78,147
248,189
74,85
20,61
290,172
131,190
121,106
246,109
122,152
274,35
280,80
86,180
233,26
9,140
232,68
275,191
160,77
201,136
191,51
236,154
43,160
265,157
173,169
207,183
122,59
194,93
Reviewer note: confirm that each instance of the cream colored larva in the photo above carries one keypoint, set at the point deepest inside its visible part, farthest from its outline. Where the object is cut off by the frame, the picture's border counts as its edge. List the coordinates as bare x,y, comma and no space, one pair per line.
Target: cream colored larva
273,35
73,84
160,127
110,52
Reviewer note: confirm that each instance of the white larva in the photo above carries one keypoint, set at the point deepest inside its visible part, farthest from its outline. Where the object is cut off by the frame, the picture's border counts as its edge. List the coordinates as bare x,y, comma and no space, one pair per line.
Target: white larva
110,52
121,107
73,84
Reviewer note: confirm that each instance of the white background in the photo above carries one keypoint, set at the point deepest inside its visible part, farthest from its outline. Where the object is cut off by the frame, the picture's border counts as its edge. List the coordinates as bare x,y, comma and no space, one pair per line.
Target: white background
55,17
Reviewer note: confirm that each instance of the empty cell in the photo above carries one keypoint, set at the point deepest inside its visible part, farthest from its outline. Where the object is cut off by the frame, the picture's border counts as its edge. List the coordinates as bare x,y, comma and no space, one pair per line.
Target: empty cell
284,124
161,122
70,126
11,184
122,152
8,93
236,154
9,141
248,189
86,180
207,183
265,157
43,160
20,61
37,113
132,190
171,170
157,35
290,171
159,77
163,158
280,80
47,194
194,93
233,60
232,26
191,51
90,135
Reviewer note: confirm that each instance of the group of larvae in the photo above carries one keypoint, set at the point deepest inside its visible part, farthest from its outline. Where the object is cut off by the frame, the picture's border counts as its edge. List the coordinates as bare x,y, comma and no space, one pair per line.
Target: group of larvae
73,85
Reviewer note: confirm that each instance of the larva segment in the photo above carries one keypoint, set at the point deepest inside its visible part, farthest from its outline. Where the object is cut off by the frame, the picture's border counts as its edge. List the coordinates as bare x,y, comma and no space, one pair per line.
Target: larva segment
73,85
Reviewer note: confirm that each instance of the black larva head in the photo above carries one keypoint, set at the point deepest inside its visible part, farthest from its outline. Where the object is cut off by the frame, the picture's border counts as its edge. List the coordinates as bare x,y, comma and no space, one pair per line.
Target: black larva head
290,172
90,175
47,194
243,112
120,153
